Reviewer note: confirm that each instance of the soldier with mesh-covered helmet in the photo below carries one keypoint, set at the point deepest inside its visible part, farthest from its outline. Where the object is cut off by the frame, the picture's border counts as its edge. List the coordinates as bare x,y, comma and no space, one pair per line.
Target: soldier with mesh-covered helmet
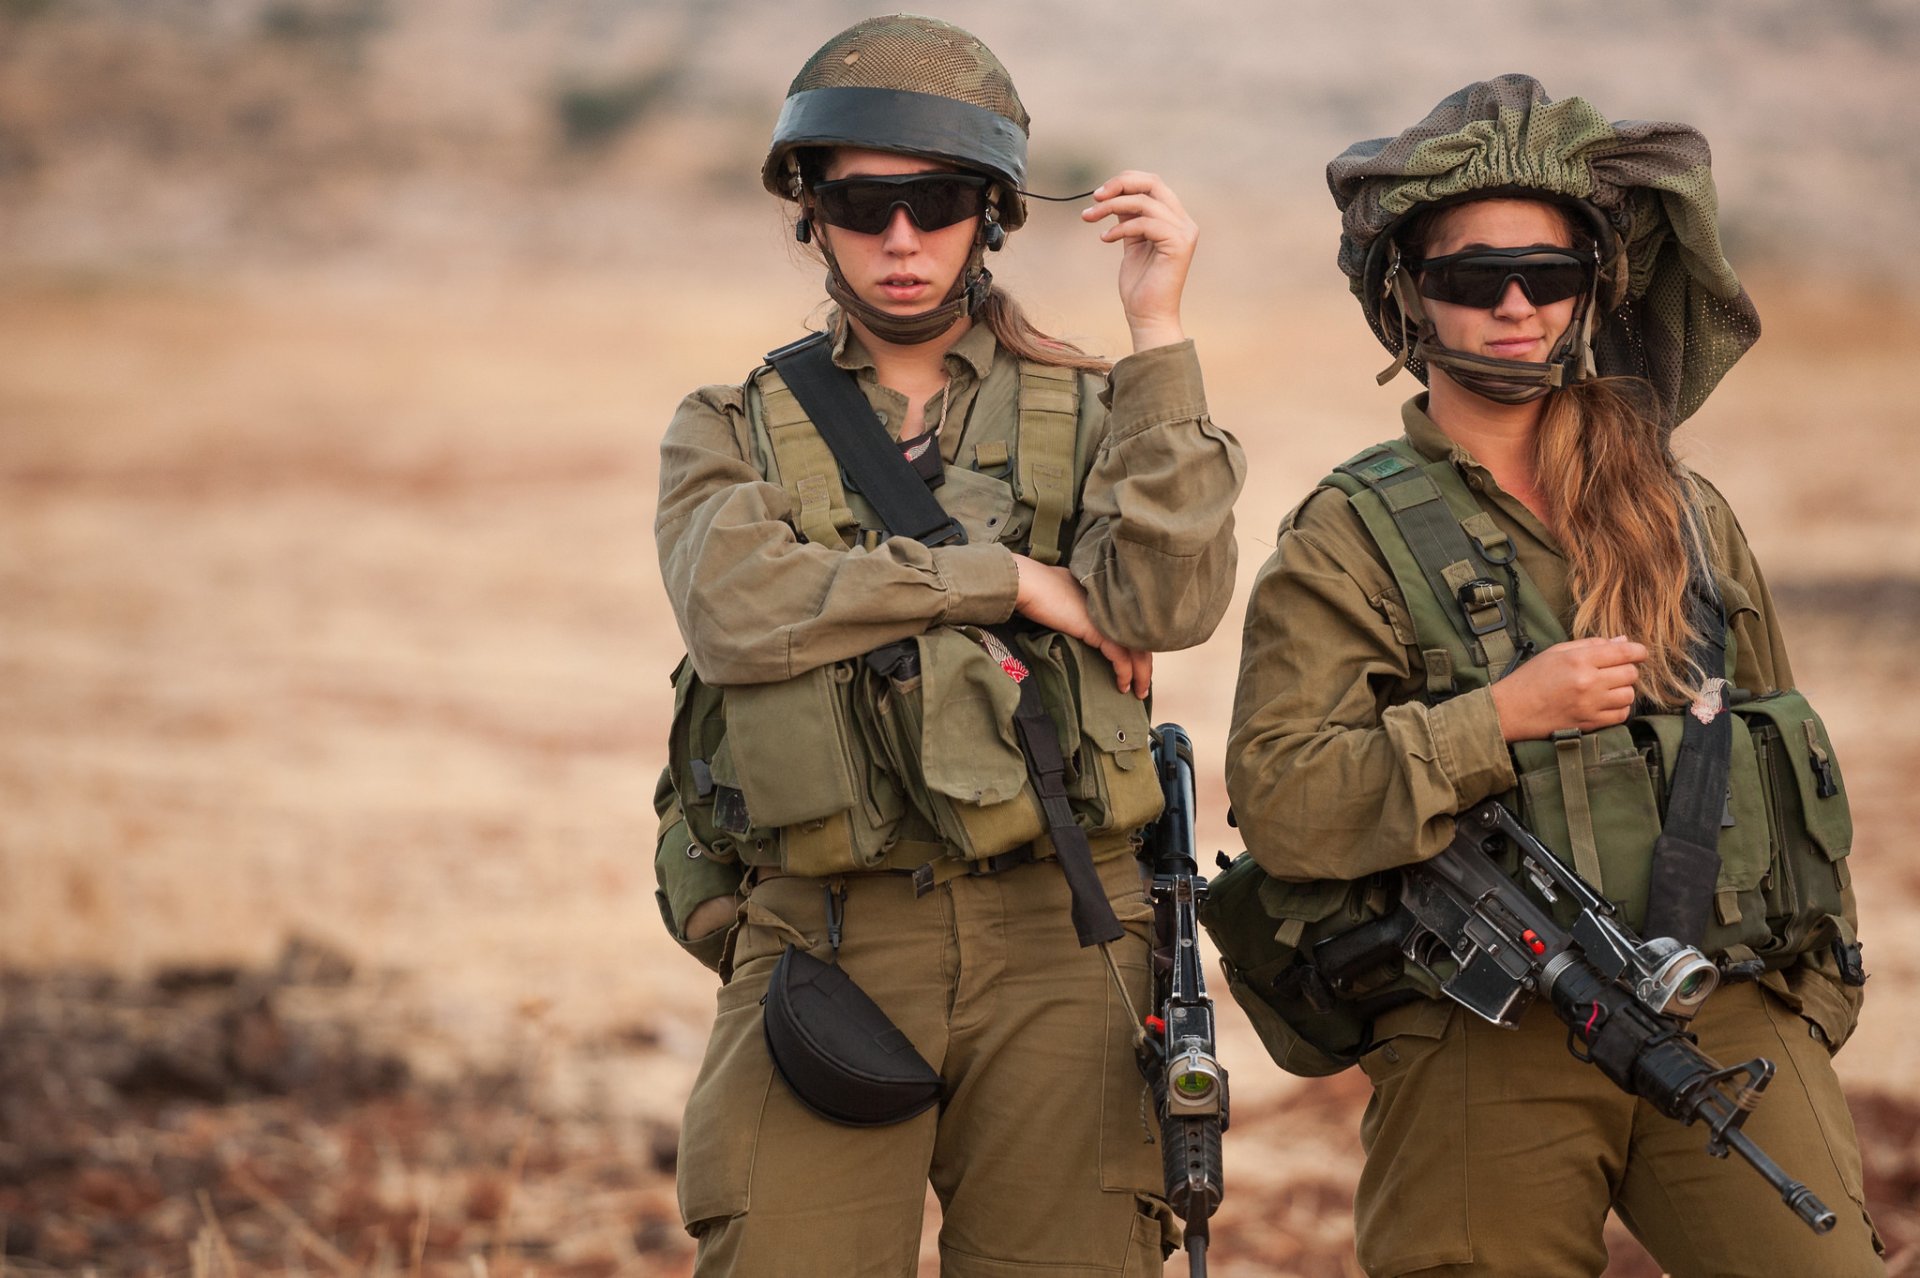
1527,596
931,975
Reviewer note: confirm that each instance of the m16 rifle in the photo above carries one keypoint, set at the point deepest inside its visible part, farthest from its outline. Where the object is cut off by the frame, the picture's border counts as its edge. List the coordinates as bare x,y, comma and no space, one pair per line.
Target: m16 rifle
1178,1055
1625,1001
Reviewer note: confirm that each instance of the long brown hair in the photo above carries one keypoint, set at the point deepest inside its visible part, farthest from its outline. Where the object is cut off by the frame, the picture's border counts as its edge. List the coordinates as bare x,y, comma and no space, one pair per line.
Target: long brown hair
1626,510
1014,331
1628,514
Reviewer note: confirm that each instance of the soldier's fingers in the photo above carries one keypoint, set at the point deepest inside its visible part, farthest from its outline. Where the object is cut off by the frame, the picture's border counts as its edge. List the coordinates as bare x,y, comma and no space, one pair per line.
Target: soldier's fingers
1142,673
1154,229
1124,206
1127,182
1618,676
1618,698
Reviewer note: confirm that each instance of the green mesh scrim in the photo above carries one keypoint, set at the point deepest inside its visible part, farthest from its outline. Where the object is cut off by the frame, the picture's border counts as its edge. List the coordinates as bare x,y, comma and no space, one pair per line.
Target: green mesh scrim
1684,320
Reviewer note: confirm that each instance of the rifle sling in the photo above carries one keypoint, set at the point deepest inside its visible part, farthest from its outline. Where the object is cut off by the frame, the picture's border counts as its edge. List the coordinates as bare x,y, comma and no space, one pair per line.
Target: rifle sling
872,465
837,409
1686,856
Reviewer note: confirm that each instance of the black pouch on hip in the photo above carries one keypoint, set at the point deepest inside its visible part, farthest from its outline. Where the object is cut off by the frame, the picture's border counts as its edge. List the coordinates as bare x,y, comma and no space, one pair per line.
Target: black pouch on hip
837,1051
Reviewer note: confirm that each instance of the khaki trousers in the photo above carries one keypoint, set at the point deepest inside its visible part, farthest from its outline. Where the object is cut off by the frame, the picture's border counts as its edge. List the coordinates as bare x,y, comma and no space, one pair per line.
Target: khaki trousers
1040,1155
1493,1151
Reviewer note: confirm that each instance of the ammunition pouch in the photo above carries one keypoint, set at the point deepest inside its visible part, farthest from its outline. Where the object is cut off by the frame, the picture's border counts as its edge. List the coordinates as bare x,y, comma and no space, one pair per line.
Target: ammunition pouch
942,705
827,772
1311,1022
1598,803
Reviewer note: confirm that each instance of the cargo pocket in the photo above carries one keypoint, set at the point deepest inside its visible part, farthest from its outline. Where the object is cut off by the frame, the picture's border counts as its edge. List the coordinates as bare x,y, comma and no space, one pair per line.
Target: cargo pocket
1740,910
1104,735
804,770
720,1135
1411,1207
1809,1057
1809,825
942,710
1598,788
1129,1128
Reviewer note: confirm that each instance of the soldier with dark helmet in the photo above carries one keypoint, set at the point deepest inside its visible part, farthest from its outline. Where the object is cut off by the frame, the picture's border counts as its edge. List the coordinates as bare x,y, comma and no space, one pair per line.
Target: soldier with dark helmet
1527,596
909,766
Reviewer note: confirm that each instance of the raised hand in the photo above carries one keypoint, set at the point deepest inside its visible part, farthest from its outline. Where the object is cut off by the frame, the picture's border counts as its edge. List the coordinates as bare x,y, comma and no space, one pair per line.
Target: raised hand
1159,239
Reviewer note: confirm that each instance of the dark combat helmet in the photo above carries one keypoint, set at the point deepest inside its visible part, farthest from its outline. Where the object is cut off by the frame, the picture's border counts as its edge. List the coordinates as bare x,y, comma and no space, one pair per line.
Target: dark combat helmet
914,85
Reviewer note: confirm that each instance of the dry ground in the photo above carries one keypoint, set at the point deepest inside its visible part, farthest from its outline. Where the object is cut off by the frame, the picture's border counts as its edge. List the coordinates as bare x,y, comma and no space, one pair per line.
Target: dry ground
328,607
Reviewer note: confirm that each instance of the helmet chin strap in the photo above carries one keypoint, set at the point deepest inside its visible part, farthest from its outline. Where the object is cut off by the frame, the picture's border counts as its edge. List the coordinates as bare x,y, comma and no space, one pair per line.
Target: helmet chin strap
1504,381
968,293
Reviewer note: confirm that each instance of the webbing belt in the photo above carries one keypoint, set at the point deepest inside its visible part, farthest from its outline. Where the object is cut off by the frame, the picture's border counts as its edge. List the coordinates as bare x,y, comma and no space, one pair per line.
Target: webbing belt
902,501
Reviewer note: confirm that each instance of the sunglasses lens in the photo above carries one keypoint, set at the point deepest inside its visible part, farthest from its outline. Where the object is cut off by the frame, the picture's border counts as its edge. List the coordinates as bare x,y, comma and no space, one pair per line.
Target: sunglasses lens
1480,279
933,200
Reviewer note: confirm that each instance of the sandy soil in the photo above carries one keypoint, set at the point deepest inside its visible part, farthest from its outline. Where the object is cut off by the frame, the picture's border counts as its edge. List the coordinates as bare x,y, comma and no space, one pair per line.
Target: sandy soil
330,610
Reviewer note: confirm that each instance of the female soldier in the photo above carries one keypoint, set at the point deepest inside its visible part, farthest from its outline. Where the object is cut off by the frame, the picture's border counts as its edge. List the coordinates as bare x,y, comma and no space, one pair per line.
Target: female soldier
1558,283
845,728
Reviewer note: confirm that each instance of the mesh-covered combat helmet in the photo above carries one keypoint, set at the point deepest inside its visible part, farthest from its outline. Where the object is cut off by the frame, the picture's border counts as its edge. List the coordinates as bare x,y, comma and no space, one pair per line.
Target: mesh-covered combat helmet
1668,309
913,85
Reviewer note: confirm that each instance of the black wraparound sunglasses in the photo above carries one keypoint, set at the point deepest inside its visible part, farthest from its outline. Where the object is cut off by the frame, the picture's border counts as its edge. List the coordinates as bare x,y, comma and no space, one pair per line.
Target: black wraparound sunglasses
865,204
1479,276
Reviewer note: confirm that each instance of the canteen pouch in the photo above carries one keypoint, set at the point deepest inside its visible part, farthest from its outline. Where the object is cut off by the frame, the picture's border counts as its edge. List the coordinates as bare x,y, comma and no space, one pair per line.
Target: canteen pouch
685,877
1265,929
837,1051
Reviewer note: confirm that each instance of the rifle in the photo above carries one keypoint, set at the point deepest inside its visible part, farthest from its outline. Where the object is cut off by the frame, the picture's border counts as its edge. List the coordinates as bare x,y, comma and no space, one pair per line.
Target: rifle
1625,1000
1177,1055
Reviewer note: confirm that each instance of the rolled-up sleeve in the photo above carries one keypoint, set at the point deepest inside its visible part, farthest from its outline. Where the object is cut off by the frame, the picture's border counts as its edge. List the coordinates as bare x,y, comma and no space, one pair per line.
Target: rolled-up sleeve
755,603
1333,772
1155,547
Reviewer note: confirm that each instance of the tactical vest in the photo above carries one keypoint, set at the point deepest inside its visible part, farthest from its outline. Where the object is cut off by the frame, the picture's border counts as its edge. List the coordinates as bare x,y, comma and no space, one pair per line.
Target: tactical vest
906,758
1597,799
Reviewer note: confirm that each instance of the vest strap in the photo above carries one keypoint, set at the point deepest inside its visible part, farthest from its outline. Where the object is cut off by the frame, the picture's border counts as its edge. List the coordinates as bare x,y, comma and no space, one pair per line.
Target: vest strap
1568,753
1476,604
1049,418
808,470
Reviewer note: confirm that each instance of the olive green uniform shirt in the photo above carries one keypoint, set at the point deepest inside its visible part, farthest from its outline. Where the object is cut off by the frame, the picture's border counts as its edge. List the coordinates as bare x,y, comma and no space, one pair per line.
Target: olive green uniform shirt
1337,766
1153,538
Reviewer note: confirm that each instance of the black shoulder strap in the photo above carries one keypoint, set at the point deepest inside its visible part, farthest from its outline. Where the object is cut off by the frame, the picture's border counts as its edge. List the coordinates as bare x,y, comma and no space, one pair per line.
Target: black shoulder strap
900,497
845,420
1686,856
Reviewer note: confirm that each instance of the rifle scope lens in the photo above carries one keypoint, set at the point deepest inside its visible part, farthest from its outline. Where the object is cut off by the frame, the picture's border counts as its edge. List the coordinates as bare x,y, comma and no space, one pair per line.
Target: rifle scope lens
1193,1085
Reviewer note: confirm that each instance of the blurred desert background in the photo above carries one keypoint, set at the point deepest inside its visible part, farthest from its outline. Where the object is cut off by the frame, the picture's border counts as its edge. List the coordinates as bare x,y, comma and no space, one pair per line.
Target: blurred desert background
336,338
